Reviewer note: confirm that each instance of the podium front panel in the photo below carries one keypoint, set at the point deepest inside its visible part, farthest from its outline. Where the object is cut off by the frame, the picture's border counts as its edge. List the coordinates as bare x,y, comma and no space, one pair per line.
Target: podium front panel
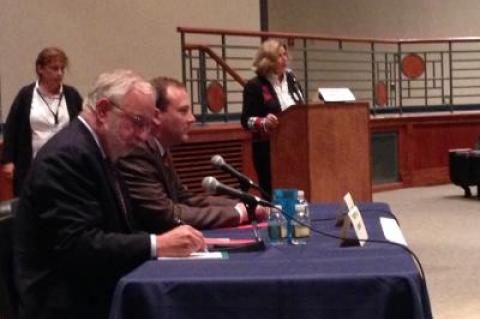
325,150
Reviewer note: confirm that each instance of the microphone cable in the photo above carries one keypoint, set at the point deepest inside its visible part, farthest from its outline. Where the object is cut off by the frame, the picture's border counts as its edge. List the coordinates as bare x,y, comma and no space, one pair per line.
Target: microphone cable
368,240
365,210
423,282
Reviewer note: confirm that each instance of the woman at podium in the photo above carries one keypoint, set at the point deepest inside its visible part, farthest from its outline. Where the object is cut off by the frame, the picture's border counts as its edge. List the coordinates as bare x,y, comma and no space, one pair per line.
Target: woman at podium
273,90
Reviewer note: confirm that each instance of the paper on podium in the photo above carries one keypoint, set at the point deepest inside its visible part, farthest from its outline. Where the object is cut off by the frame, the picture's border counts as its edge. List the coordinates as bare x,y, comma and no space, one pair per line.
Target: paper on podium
336,94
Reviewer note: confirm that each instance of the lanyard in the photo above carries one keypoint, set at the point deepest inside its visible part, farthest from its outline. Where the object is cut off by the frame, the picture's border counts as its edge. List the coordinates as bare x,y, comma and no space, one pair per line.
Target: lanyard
55,114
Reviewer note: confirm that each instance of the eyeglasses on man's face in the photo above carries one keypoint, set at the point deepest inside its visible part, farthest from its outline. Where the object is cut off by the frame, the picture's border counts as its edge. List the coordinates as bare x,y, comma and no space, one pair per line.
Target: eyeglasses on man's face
139,121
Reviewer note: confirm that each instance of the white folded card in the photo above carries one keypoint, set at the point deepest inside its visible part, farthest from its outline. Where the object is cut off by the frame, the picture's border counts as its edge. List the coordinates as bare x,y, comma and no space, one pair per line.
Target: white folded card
336,94
392,231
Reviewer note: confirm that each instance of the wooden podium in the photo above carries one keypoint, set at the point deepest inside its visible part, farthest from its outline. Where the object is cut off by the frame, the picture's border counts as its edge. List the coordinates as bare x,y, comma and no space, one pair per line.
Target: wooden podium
323,149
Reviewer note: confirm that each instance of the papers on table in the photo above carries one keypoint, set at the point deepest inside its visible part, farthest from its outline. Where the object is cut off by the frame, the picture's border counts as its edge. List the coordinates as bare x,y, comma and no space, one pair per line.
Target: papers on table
212,242
392,231
225,241
199,255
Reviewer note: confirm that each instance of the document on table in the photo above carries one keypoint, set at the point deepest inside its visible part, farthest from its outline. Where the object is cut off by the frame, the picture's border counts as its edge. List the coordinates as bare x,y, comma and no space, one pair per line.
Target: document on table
392,231
199,255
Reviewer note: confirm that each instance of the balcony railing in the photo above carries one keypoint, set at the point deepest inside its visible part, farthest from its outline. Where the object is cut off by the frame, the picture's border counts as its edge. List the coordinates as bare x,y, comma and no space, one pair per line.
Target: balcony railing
392,75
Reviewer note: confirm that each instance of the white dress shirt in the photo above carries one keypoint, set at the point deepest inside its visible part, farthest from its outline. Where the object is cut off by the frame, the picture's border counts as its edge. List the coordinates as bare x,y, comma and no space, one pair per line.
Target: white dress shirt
42,116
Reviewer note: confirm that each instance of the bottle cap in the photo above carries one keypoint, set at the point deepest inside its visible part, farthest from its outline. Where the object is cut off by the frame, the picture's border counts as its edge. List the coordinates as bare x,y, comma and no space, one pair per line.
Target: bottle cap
300,195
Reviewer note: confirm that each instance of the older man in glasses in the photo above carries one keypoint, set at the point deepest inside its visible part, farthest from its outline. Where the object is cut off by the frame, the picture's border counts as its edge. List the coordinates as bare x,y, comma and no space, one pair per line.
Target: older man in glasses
74,235
161,201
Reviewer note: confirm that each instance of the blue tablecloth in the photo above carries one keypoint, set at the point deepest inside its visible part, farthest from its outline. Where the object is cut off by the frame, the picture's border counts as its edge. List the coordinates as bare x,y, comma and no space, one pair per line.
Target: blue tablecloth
317,280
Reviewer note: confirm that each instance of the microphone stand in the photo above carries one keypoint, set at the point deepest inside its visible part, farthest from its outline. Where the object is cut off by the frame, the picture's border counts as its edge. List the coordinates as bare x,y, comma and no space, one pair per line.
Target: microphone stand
256,245
245,187
259,243
253,220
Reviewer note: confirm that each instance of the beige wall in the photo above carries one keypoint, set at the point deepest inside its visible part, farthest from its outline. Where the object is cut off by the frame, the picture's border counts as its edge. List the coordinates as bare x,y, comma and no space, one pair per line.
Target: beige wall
102,35
141,34
377,18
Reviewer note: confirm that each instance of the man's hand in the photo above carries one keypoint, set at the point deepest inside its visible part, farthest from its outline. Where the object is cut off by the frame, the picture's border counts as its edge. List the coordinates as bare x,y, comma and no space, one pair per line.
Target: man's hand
7,170
261,213
180,241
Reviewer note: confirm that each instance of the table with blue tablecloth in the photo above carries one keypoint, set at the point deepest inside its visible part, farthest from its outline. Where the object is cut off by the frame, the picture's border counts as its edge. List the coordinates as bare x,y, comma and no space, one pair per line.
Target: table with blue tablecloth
317,280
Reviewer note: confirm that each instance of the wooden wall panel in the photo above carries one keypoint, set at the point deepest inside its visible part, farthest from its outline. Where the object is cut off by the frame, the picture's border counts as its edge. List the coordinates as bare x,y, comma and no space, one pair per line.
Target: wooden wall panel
192,159
424,141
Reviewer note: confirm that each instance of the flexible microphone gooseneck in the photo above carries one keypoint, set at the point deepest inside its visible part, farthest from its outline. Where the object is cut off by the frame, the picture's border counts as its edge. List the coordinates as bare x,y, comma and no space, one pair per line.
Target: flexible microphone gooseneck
298,90
245,182
213,186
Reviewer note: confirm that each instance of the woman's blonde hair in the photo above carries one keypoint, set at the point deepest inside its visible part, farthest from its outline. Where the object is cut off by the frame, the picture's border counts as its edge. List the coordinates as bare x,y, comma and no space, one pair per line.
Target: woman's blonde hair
266,57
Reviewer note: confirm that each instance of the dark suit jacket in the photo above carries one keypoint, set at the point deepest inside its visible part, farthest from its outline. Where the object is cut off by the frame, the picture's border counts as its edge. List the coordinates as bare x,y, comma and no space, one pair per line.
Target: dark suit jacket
72,240
158,196
18,133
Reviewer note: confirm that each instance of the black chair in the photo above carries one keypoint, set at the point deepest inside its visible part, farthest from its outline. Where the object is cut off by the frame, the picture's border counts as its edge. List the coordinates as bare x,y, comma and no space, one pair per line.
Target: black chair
8,296
464,169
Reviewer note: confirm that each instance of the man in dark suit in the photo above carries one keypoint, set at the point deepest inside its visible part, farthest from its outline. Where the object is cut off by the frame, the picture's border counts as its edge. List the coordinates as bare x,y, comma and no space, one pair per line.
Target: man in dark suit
74,235
159,198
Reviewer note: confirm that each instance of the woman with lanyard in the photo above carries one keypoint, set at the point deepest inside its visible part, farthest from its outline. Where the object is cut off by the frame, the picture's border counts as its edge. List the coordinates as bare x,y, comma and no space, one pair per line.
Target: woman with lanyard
39,111
272,91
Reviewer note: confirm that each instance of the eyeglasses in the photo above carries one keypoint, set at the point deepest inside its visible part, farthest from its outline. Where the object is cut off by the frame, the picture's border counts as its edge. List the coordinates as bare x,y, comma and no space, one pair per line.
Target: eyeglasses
139,121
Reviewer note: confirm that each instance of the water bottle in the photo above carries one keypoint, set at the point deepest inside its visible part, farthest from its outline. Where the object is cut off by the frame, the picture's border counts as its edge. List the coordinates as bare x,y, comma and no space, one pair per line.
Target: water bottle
277,226
300,225
301,200
287,197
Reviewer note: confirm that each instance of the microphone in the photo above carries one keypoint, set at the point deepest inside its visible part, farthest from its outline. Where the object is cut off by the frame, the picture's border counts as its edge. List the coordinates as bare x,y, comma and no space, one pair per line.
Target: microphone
219,162
213,186
299,96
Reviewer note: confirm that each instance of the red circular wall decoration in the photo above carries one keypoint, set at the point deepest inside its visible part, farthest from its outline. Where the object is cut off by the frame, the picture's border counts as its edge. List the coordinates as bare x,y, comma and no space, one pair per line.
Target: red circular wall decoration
413,66
215,97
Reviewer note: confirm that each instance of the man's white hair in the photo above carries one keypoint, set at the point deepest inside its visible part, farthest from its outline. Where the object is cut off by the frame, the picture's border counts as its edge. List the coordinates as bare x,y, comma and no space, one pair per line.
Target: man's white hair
115,85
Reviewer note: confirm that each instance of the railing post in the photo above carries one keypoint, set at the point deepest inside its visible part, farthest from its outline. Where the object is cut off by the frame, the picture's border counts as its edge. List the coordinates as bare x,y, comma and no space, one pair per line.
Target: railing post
425,77
442,75
450,71
387,78
305,70
224,77
202,84
182,53
399,66
393,79
374,100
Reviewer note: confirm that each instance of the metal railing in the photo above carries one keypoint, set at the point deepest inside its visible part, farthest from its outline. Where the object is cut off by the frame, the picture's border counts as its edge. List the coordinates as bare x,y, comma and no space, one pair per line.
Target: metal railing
392,75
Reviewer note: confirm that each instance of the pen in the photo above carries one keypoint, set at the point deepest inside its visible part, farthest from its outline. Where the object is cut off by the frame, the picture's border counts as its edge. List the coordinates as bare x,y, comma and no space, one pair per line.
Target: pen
177,221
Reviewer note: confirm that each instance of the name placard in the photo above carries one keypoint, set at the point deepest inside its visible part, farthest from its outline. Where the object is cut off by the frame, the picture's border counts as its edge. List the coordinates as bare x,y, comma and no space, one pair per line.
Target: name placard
344,208
354,219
